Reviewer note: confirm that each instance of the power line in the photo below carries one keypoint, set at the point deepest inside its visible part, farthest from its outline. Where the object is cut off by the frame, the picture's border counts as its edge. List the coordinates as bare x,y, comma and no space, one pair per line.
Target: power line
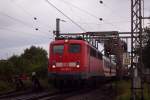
65,15
83,10
89,13
112,11
11,30
15,19
27,12
24,33
20,21
89,23
23,9
111,24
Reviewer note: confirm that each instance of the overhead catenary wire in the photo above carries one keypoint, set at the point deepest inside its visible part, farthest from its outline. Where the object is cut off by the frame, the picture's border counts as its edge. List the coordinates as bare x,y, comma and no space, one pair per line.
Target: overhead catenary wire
96,24
35,18
20,21
16,31
24,33
23,9
15,19
83,10
112,11
65,15
89,13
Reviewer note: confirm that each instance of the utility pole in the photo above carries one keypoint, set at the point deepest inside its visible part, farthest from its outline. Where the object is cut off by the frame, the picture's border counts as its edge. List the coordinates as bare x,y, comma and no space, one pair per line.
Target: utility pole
136,50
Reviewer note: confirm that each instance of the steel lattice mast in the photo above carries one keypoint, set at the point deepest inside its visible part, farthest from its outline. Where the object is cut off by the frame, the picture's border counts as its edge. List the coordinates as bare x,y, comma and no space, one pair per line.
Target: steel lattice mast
136,49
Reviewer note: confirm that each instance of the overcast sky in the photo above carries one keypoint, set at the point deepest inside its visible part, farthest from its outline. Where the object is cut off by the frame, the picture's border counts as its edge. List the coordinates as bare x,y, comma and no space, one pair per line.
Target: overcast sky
18,24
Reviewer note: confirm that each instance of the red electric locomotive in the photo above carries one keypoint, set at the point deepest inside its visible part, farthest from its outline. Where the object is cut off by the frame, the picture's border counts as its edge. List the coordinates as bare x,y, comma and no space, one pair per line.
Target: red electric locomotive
73,60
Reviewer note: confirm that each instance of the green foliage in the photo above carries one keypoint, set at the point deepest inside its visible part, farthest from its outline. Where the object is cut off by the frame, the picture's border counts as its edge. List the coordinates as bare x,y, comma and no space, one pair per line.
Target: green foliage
146,50
6,70
33,59
124,91
5,86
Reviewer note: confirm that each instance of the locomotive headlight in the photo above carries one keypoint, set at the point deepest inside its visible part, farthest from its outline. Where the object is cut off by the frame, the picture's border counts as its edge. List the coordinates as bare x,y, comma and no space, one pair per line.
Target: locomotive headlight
78,66
53,66
66,41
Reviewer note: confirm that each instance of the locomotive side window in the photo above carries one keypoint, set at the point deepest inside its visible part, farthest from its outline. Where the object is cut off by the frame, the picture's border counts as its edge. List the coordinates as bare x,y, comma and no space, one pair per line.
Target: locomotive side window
74,48
58,49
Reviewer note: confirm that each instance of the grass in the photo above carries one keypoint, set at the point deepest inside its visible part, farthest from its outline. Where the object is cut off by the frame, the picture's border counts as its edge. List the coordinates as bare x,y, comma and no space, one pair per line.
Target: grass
147,91
5,86
124,91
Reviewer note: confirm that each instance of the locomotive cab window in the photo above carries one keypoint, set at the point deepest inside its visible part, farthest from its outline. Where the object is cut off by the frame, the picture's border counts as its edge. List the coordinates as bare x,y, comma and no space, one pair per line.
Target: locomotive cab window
58,49
74,48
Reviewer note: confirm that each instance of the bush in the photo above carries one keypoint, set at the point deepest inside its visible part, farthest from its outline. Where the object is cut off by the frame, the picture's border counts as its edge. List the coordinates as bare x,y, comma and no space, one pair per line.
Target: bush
5,86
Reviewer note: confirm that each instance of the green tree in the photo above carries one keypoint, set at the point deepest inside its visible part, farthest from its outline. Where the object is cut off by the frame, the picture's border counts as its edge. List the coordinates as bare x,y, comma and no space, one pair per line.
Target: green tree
16,63
33,59
36,60
6,70
146,50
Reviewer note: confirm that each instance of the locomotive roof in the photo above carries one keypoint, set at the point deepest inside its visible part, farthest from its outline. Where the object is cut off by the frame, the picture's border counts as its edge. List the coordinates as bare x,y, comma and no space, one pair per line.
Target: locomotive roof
70,40
58,41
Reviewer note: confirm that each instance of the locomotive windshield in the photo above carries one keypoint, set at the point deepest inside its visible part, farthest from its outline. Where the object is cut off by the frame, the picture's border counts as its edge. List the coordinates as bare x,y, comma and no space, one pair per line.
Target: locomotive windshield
58,49
74,48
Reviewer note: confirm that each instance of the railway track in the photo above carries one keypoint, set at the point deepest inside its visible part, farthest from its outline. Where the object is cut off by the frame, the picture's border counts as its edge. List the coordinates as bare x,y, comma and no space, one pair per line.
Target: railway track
45,95
13,94
48,95
6,93
59,95
67,94
35,96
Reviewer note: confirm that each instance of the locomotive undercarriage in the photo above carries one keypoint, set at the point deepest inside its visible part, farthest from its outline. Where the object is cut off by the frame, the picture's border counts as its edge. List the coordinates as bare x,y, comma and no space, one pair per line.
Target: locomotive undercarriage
76,81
